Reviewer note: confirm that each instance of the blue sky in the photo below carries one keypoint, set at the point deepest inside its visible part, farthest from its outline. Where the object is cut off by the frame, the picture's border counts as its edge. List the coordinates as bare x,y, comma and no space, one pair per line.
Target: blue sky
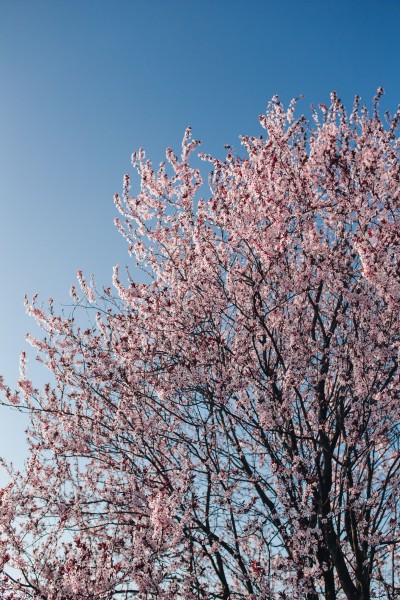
86,82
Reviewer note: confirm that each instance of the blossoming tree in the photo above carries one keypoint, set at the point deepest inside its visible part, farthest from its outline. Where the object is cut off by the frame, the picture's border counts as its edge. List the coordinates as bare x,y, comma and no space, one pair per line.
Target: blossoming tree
229,428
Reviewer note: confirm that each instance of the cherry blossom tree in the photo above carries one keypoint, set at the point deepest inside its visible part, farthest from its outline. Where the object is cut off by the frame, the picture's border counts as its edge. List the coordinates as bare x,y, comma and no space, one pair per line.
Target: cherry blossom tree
228,425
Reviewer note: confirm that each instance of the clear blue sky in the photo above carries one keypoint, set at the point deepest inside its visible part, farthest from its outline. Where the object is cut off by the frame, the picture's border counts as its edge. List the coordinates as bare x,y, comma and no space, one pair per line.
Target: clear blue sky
86,82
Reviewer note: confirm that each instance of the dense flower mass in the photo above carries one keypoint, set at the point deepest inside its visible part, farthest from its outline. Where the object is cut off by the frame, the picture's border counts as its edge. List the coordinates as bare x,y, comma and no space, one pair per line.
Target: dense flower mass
228,426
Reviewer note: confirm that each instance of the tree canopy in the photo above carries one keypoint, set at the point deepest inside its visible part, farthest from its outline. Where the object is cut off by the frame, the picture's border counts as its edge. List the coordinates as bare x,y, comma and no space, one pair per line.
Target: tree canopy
228,428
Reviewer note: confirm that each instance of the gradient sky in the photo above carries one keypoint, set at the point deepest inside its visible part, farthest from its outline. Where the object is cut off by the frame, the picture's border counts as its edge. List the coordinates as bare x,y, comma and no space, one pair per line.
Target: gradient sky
86,82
